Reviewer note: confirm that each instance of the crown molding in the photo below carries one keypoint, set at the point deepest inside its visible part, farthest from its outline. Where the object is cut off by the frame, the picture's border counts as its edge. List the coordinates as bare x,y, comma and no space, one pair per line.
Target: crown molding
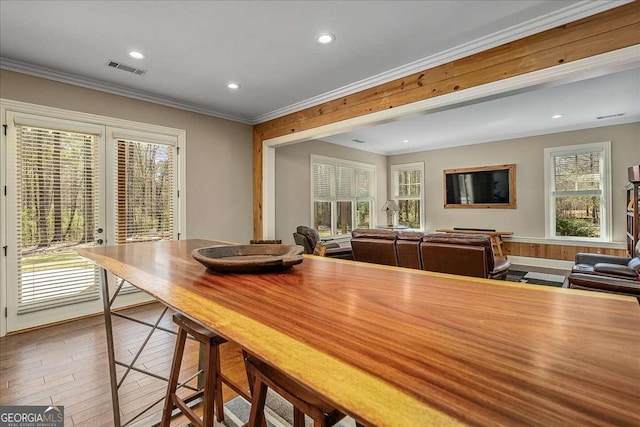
69,78
563,16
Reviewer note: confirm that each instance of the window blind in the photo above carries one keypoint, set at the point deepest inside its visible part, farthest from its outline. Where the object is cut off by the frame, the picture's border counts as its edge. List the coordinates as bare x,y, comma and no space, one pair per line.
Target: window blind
57,209
342,195
145,191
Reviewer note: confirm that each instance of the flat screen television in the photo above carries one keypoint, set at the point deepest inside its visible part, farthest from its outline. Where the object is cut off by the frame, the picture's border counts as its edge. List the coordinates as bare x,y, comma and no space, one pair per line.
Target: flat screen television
480,187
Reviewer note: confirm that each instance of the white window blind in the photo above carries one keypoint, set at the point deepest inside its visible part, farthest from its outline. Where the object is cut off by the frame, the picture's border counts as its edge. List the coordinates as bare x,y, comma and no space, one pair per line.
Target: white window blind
56,206
145,182
342,195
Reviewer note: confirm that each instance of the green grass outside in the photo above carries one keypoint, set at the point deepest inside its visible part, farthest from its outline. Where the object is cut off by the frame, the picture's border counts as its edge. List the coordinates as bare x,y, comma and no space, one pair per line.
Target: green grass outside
50,261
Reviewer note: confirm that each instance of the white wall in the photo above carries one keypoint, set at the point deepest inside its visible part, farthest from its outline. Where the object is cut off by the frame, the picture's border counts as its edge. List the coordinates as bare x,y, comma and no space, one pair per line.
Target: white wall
293,182
528,220
219,152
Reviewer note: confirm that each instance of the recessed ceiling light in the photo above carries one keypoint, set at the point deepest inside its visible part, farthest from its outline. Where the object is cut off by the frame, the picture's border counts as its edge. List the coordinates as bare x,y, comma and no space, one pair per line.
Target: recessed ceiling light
136,54
557,116
405,140
325,38
233,85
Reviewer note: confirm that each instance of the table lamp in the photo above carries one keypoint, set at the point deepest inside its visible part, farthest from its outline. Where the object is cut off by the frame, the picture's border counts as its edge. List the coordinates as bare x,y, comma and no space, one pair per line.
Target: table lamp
390,207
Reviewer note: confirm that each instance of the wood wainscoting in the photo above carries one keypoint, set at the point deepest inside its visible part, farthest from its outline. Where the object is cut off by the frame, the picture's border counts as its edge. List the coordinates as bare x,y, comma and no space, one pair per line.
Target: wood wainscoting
564,251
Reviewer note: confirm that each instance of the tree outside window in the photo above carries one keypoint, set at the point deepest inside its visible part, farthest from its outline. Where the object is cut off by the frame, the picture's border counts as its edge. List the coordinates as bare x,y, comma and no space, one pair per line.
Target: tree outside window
578,191
408,183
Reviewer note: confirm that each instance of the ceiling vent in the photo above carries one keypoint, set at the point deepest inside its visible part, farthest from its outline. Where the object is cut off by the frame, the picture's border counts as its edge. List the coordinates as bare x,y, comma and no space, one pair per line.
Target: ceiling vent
610,116
125,67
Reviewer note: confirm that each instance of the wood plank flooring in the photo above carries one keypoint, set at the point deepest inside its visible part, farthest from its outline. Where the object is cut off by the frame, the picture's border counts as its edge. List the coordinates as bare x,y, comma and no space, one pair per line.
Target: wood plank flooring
67,365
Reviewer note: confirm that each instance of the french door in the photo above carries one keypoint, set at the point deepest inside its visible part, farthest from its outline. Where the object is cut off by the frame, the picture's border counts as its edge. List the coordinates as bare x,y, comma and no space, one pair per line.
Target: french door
75,185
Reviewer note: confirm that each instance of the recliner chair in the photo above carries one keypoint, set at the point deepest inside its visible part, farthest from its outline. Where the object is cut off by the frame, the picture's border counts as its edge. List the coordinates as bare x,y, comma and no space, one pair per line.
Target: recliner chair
463,254
308,238
607,273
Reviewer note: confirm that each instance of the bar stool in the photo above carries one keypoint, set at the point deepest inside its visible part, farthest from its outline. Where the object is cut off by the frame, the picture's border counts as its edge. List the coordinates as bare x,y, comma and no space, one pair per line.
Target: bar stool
262,376
213,378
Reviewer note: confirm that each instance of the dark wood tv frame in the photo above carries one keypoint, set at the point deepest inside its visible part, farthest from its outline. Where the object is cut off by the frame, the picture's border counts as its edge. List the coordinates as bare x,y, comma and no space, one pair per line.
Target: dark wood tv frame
512,188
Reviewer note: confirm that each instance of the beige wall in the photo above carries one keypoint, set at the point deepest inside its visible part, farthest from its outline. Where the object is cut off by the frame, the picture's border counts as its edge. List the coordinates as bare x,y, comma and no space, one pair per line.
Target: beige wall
219,152
293,181
528,220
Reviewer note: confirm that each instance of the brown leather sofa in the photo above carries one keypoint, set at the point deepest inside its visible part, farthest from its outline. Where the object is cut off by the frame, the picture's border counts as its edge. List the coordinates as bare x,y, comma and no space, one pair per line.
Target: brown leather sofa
374,245
308,238
607,273
463,254
408,249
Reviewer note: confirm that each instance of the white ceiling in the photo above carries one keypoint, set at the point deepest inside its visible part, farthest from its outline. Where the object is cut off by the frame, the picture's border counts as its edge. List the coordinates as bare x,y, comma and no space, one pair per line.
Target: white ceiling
194,48
510,116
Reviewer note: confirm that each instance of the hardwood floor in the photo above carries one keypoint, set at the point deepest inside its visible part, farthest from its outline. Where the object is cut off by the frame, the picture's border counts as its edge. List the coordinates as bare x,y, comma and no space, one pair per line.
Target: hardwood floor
67,365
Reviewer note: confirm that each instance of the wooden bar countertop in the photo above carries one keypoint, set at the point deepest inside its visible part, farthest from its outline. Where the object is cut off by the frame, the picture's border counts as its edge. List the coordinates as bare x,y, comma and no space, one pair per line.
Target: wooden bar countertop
400,347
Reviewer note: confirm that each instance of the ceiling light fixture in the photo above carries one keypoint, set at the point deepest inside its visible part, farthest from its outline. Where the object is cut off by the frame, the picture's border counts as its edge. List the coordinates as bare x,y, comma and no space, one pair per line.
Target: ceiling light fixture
136,54
557,116
233,85
405,140
325,38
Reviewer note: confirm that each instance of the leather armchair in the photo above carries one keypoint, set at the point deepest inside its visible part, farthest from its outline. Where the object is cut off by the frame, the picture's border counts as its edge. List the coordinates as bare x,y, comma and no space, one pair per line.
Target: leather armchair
375,246
463,254
308,238
607,273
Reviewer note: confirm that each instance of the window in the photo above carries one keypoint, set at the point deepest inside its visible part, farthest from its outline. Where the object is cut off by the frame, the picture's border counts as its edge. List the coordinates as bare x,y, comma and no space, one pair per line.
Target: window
342,195
408,191
578,194
145,191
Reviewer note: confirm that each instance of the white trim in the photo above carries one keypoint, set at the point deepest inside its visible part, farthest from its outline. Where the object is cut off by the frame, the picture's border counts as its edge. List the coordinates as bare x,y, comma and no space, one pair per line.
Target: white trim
25,119
605,190
28,108
140,136
269,187
89,83
542,23
3,224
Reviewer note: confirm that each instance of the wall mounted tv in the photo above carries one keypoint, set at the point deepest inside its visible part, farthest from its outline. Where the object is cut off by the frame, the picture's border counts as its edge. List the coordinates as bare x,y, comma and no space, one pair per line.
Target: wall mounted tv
480,187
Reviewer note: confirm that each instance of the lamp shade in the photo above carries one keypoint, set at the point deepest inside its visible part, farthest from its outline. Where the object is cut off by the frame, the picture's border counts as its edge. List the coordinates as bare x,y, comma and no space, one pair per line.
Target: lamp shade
390,206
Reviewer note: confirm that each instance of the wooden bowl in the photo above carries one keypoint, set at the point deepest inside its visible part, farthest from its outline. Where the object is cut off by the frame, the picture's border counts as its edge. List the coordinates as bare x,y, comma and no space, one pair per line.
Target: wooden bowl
248,258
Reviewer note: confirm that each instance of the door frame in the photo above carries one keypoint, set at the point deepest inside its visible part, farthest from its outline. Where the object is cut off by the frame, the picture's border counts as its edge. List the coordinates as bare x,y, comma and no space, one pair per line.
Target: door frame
8,105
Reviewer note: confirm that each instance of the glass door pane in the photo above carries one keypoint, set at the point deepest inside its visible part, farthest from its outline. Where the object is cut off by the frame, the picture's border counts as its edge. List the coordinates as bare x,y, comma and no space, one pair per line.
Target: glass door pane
55,210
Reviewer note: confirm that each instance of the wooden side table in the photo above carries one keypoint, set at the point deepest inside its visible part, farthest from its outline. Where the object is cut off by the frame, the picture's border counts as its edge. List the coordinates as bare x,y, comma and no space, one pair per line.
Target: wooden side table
495,236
